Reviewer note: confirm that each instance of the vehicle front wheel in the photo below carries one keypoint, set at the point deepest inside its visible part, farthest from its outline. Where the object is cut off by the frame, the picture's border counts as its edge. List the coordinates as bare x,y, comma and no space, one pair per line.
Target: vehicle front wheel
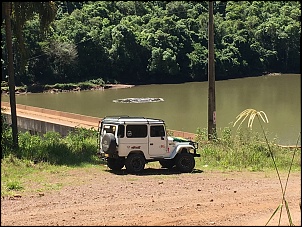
185,162
115,163
135,163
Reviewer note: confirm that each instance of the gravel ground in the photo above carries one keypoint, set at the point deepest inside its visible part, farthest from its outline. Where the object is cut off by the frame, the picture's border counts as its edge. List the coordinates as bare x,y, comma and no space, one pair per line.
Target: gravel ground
157,197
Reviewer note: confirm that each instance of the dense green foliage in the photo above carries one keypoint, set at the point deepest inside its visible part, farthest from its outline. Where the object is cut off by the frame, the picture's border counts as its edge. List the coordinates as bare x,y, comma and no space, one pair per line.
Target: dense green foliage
159,41
245,150
78,147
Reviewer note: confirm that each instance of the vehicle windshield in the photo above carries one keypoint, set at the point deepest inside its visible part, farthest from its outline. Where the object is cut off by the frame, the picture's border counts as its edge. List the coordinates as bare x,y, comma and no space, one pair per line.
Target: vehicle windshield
109,129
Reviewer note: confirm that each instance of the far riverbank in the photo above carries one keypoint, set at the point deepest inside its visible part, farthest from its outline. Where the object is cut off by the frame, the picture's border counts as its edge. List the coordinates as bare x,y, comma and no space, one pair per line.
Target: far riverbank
62,88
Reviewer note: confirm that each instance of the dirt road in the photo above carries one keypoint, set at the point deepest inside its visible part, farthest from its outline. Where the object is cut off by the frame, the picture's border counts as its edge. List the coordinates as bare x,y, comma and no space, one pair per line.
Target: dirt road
157,198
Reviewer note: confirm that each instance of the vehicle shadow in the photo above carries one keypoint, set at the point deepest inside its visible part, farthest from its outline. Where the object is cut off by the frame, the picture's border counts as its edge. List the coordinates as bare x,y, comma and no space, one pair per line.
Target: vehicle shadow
152,171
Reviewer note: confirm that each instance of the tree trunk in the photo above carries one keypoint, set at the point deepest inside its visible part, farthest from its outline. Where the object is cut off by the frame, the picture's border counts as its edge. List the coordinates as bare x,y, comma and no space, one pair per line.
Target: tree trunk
11,76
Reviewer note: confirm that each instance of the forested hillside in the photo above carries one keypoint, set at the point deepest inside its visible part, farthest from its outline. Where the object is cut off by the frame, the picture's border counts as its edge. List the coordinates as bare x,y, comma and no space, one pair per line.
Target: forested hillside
141,42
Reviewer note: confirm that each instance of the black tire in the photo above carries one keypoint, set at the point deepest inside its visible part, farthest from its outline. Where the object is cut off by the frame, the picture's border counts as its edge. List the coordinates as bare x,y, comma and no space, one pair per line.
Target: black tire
135,163
185,162
109,143
115,163
167,163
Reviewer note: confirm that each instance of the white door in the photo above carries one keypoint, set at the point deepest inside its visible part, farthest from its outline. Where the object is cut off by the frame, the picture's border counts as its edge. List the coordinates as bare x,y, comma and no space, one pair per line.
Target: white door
157,141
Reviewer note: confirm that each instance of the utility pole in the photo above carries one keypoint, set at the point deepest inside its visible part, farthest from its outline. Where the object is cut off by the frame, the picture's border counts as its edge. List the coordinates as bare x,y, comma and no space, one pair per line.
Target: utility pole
211,77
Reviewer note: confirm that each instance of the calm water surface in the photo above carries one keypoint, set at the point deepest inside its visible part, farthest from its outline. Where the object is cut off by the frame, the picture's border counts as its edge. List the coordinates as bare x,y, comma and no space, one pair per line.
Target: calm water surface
185,106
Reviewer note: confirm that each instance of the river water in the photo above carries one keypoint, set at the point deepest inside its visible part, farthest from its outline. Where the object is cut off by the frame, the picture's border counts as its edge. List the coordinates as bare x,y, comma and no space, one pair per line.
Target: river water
184,106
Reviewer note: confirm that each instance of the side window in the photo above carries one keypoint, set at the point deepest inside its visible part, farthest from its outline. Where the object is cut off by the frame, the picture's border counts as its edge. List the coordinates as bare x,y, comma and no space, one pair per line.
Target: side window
157,131
121,131
136,131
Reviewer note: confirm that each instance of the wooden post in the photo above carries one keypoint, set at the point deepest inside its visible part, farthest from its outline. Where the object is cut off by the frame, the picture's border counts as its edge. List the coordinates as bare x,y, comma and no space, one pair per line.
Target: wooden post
211,77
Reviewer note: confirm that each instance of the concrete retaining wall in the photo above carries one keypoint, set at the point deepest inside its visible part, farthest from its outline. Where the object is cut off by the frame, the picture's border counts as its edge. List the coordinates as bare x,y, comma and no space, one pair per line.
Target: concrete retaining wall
38,127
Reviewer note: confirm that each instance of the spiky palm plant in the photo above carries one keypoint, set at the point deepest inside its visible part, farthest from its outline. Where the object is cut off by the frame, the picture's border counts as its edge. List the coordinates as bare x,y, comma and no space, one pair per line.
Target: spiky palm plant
251,114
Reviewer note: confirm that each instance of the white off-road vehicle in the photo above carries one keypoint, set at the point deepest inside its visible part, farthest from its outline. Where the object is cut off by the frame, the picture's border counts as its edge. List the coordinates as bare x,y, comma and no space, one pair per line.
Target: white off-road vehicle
134,141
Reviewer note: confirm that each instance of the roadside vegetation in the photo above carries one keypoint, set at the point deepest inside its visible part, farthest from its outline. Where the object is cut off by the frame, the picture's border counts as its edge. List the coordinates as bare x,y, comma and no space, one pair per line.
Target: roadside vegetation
41,157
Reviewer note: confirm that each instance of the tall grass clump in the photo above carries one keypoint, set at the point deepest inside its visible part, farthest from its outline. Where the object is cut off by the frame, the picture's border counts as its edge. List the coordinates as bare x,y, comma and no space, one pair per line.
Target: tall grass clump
6,137
251,114
241,150
82,146
77,148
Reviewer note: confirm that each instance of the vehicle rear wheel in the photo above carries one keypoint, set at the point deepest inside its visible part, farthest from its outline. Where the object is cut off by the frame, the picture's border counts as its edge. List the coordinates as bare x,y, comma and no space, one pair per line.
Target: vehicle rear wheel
115,163
185,162
135,163
167,163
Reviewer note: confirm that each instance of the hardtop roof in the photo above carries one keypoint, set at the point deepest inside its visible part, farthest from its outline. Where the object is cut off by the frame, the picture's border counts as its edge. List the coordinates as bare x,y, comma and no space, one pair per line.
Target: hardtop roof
130,119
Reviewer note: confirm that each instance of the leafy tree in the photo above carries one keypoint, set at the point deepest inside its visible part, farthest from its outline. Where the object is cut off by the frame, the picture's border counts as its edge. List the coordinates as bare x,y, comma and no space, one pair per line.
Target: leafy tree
160,41
15,16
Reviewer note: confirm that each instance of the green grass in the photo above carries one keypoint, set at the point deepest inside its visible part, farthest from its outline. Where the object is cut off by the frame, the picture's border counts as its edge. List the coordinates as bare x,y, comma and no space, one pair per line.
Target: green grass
248,155
19,176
